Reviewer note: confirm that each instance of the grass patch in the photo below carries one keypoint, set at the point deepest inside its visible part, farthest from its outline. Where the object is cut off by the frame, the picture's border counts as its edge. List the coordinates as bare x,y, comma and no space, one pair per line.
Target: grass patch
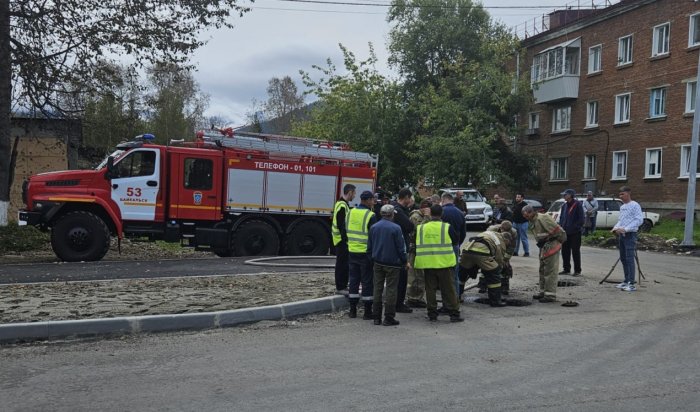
675,229
14,238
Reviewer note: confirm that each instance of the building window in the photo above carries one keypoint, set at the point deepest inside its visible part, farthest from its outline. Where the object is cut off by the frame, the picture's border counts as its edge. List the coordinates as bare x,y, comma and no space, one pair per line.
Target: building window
685,161
619,167
198,174
624,50
595,59
657,102
622,108
534,120
557,168
662,34
589,166
561,119
592,114
554,62
690,89
694,37
653,163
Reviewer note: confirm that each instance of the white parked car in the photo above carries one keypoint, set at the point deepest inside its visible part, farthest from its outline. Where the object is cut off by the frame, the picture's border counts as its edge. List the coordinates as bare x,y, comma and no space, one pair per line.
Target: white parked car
608,213
478,211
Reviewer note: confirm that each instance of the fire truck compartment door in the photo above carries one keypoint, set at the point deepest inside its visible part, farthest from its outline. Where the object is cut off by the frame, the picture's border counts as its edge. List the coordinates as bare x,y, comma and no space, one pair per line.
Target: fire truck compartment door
283,192
135,188
245,189
319,194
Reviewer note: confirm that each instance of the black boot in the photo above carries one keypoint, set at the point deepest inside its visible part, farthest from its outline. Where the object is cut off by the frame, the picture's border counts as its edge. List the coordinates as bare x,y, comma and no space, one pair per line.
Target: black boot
495,298
389,321
353,310
505,287
368,311
377,313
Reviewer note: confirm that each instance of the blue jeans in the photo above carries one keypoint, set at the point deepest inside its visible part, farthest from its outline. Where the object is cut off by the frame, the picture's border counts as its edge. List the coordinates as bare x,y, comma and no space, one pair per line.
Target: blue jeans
522,237
627,243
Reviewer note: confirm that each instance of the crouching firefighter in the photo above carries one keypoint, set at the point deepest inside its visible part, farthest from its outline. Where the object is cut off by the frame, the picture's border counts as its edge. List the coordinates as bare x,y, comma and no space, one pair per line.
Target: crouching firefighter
485,251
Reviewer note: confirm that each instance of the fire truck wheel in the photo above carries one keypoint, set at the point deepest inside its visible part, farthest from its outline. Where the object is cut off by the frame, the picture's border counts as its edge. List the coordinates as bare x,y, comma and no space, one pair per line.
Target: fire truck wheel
80,236
256,238
308,238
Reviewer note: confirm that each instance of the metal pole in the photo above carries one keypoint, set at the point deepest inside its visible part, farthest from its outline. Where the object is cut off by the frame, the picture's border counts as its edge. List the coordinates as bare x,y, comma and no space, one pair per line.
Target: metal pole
692,169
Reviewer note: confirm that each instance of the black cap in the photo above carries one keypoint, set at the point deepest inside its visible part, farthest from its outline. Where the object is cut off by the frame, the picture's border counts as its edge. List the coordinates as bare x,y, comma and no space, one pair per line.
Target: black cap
366,195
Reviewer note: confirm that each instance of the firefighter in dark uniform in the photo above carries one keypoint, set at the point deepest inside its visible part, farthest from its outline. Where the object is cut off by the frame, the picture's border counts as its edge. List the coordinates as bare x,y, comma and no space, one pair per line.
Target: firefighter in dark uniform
507,273
486,251
357,224
340,238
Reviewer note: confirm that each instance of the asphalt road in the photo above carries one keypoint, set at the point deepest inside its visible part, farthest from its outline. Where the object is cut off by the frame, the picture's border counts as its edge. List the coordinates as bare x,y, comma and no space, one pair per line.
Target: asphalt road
617,351
61,272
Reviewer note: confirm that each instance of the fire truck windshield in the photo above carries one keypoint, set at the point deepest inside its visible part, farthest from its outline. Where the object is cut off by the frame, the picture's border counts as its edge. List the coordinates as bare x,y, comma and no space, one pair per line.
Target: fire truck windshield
116,154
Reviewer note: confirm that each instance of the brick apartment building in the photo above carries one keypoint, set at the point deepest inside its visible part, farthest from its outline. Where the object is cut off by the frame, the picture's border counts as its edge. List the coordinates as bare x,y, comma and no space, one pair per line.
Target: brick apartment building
615,95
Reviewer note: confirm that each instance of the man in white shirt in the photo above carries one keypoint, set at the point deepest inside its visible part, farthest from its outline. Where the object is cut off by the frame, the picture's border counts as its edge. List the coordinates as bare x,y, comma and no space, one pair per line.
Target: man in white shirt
631,217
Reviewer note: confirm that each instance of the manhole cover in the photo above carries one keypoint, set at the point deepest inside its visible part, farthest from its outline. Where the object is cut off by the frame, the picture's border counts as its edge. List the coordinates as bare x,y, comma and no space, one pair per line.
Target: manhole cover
510,302
569,283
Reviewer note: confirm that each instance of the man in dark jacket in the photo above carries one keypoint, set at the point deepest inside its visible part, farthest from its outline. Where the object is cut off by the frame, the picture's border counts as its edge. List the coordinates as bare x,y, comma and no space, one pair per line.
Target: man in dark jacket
571,219
388,250
403,209
458,228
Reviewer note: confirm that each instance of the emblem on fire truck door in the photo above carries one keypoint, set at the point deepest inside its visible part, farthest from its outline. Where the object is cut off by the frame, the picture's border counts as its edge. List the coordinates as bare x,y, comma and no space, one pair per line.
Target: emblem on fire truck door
197,196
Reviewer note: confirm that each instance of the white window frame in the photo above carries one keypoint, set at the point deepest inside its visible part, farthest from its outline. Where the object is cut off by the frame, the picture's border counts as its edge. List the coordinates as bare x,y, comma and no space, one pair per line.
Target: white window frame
561,119
694,26
685,163
590,163
661,39
653,159
534,120
592,113
690,89
657,102
595,59
625,55
558,168
615,163
623,110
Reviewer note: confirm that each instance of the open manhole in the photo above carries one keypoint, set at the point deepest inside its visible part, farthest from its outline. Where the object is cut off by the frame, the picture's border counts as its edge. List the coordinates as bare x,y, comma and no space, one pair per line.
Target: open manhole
565,283
510,302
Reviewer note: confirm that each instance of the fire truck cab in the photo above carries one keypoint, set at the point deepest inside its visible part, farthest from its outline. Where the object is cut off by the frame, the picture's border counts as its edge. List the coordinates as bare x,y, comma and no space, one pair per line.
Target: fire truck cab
236,195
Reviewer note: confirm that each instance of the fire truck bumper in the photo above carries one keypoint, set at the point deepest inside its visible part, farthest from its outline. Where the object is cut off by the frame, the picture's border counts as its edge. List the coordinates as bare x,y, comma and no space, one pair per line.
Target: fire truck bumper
25,218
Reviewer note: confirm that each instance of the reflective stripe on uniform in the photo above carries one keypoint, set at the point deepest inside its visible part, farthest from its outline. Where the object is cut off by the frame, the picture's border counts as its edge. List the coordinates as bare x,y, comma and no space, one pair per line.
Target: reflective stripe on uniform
367,298
493,285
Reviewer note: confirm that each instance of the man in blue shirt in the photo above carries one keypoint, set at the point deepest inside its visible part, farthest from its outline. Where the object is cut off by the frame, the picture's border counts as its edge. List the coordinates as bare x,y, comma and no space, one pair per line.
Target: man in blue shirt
458,229
388,250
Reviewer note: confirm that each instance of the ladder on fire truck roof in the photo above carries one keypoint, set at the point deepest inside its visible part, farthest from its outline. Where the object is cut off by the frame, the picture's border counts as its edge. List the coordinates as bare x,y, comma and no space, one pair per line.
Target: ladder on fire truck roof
288,145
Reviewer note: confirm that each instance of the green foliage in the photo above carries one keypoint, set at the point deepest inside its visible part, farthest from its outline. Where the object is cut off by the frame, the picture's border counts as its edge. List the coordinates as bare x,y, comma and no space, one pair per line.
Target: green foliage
675,229
15,238
364,109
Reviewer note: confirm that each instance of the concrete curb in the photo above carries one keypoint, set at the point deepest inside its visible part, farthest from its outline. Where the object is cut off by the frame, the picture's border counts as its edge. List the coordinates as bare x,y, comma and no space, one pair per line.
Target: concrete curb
50,330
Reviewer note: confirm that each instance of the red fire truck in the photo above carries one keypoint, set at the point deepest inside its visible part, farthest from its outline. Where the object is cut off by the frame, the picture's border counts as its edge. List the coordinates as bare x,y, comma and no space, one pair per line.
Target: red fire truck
241,194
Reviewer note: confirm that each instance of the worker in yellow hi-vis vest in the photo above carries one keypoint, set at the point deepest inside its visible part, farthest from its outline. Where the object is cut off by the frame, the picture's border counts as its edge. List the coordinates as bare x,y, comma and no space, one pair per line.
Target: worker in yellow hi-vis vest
340,238
435,255
357,224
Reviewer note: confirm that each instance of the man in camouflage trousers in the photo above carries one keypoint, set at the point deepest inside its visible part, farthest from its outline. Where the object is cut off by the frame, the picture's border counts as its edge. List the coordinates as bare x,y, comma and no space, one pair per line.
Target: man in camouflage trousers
415,296
549,236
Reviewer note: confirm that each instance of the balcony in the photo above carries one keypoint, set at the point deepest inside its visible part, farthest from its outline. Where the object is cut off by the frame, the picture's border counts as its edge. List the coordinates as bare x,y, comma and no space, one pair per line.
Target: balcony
555,72
555,89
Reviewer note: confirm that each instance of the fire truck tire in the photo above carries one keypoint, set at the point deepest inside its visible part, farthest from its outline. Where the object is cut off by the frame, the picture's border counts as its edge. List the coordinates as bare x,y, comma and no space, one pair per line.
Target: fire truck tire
256,238
80,236
307,238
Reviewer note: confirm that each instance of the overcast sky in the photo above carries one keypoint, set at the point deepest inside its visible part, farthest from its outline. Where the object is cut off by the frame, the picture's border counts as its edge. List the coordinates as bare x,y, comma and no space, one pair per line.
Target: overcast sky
278,38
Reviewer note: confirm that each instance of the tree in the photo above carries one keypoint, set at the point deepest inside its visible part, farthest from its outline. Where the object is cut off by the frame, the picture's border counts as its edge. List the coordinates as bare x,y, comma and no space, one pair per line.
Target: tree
364,109
283,100
175,102
46,46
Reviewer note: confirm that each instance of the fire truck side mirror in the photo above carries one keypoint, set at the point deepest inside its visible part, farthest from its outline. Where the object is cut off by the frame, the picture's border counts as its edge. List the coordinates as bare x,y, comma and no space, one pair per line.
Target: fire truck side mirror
111,170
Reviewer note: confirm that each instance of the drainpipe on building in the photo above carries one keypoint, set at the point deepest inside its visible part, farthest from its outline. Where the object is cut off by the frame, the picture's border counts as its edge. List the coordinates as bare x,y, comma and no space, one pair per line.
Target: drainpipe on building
692,169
